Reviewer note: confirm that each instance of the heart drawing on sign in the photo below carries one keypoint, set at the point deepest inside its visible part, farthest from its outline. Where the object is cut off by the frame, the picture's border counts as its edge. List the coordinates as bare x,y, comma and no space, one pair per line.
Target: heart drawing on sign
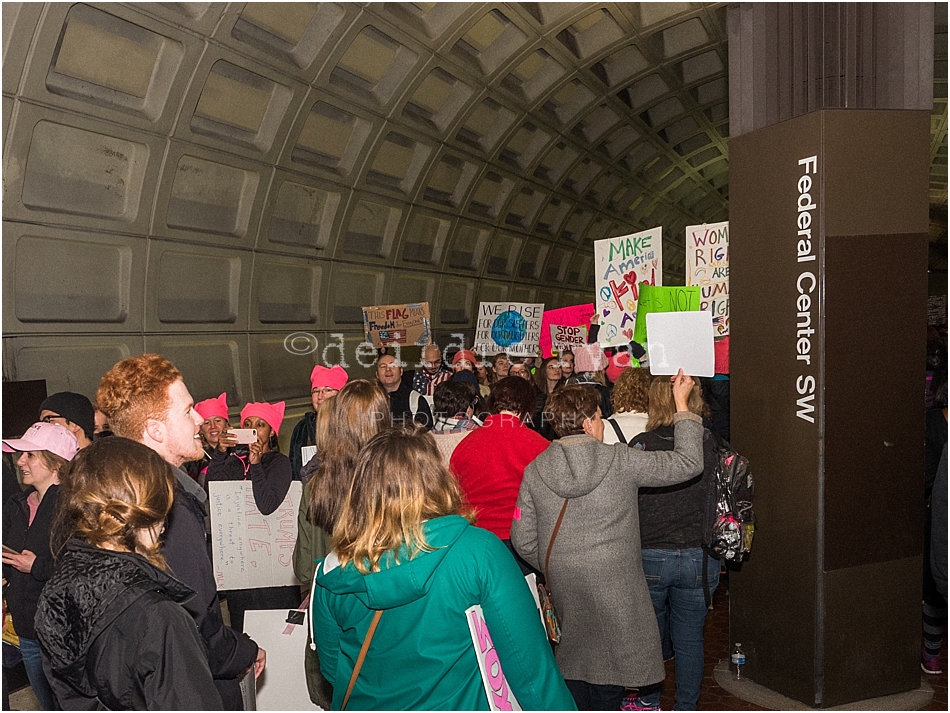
606,312
628,333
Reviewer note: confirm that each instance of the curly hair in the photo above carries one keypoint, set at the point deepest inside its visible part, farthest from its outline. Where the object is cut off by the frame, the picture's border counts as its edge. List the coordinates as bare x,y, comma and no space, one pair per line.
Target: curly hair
400,482
632,391
360,410
136,390
113,489
568,408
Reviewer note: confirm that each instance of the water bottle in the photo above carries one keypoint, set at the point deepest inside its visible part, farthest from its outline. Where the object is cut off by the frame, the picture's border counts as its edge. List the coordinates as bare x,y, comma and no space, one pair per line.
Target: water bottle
738,661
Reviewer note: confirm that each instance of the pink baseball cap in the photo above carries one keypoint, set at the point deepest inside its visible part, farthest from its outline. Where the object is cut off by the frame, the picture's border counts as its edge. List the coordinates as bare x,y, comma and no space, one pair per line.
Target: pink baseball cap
210,408
42,436
273,414
333,378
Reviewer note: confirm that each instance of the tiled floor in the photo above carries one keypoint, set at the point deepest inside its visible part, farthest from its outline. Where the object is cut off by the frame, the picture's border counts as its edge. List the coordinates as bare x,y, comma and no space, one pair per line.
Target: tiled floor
715,698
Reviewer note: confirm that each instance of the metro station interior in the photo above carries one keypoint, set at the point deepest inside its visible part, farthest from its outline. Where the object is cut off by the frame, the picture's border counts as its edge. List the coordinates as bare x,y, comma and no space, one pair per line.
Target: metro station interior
208,180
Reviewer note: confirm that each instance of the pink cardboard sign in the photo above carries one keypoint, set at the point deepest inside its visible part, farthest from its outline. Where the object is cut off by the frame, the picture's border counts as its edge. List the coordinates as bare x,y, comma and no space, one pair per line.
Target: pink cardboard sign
573,316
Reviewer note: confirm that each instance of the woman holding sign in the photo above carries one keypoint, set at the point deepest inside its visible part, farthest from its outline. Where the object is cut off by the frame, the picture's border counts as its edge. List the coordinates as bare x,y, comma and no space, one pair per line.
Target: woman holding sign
270,474
577,518
438,607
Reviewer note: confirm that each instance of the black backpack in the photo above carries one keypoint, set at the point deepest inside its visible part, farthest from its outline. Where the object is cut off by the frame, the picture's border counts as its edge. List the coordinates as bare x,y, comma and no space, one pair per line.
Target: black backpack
728,519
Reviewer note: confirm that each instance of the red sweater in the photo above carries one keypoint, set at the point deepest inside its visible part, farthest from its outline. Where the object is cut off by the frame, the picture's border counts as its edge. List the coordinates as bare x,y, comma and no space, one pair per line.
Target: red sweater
489,464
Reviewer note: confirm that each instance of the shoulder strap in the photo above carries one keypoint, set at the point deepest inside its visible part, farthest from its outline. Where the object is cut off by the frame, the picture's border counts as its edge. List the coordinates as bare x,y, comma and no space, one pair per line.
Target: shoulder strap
362,657
616,426
557,526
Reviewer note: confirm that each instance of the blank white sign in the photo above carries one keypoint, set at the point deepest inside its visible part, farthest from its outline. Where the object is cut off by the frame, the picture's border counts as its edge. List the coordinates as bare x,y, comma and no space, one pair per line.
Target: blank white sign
681,340
283,685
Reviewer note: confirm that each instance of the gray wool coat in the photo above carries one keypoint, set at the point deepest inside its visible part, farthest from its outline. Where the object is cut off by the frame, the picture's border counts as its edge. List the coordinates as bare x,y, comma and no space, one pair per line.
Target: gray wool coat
609,633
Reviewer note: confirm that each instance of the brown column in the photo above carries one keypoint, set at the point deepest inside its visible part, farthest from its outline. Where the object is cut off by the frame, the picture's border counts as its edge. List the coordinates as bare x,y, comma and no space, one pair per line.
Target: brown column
828,231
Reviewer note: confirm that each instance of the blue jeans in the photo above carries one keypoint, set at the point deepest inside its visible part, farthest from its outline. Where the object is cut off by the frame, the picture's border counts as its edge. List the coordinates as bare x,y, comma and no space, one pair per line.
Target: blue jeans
33,662
675,579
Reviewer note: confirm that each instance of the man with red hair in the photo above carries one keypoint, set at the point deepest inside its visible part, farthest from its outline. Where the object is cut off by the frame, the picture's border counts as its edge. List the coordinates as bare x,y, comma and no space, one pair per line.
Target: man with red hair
147,401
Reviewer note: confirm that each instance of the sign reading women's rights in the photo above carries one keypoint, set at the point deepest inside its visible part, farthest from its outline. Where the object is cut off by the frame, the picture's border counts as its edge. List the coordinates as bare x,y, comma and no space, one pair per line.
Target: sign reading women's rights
250,550
390,325
512,327
707,265
621,264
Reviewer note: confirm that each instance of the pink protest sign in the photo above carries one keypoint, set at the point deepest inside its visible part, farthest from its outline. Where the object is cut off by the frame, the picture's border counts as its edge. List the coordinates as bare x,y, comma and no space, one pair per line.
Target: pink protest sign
574,316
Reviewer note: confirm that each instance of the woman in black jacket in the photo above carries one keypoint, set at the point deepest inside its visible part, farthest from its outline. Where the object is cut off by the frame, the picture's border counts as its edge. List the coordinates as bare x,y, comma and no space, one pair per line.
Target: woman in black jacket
28,516
109,619
270,474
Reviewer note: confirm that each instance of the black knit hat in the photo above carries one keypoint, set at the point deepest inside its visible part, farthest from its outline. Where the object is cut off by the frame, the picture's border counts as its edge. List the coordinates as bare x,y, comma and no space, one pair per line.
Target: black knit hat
73,407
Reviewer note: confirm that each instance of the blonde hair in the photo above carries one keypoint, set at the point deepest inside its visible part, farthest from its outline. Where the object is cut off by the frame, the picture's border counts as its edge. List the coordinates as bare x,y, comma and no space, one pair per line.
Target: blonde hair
400,482
114,488
663,406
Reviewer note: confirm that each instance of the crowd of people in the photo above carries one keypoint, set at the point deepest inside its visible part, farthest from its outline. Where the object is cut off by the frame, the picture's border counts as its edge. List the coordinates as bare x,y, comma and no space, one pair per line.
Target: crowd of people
428,496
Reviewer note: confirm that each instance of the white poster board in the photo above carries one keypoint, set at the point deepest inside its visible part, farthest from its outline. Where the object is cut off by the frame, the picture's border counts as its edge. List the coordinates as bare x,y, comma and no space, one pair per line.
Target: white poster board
620,265
567,338
707,265
250,550
283,684
512,327
681,340
500,695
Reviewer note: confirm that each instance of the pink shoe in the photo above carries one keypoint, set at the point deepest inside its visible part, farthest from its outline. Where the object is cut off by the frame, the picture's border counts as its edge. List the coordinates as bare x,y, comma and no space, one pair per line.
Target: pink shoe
930,663
633,702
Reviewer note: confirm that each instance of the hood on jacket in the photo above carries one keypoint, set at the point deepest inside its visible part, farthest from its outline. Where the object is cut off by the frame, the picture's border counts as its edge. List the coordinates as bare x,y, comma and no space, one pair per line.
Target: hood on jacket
90,588
574,465
395,584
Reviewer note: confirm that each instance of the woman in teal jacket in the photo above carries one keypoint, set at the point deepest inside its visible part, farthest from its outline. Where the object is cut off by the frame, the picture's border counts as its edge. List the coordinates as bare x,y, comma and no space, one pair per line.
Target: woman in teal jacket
402,549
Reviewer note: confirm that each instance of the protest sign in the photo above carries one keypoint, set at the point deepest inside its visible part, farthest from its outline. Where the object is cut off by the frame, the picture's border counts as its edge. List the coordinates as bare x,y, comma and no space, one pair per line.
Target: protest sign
572,316
389,325
565,338
500,696
512,327
681,340
283,685
621,265
707,265
662,299
250,550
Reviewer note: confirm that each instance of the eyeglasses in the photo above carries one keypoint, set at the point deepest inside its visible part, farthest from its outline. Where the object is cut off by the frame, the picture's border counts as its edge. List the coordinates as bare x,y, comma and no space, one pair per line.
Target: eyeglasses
434,362
48,418
326,391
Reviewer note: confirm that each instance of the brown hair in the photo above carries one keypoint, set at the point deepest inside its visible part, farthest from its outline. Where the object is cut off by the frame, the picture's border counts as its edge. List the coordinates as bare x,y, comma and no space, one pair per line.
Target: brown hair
321,437
540,376
663,406
632,391
360,411
400,482
514,394
568,407
114,488
136,390
54,462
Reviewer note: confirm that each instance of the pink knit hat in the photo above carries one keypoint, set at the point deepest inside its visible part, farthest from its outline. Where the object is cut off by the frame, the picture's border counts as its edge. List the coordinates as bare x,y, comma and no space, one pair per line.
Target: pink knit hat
466,354
589,357
272,414
211,408
43,436
333,378
618,363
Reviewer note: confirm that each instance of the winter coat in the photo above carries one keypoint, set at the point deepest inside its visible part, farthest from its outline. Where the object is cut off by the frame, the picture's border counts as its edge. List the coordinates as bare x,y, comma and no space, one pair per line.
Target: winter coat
422,656
24,588
489,465
114,635
230,653
305,434
609,632
270,479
